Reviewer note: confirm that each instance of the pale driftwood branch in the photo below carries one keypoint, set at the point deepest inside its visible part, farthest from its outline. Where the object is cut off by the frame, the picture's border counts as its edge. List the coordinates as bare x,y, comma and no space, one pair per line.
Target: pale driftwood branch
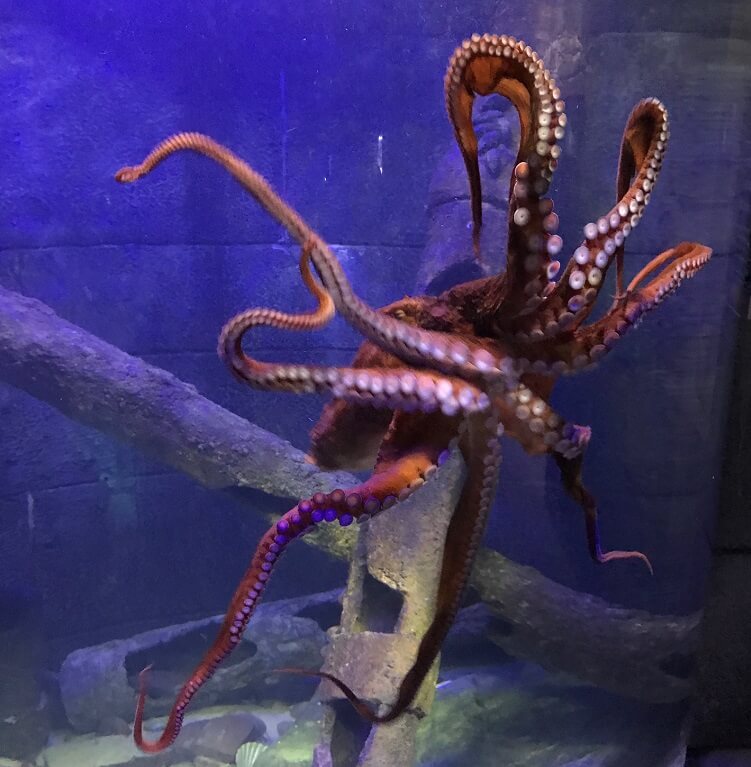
629,652
92,382
99,385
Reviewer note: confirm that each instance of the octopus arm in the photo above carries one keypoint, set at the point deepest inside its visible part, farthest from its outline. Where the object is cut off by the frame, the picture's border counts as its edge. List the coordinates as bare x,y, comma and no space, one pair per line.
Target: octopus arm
590,343
571,477
407,463
572,299
346,435
385,387
481,450
676,265
503,65
411,344
528,417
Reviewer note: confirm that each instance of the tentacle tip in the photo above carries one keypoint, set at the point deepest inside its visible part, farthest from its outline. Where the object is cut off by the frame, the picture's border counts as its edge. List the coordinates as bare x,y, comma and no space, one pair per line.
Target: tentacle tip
609,556
144,674
644,558
127,175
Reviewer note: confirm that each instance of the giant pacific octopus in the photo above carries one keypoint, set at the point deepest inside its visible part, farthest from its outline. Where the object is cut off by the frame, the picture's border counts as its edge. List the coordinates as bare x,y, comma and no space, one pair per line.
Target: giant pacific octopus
457,370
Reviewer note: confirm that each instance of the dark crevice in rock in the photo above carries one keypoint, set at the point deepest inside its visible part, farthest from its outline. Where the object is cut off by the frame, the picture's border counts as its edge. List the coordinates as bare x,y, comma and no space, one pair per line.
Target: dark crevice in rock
679,665
381,606
348,736
179,655
326,614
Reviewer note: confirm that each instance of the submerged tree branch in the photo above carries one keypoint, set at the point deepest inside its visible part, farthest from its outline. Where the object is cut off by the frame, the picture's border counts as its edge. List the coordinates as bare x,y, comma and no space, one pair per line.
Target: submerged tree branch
101,386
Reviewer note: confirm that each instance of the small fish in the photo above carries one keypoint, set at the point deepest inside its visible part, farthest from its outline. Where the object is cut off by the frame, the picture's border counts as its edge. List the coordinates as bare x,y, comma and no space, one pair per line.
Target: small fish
10,719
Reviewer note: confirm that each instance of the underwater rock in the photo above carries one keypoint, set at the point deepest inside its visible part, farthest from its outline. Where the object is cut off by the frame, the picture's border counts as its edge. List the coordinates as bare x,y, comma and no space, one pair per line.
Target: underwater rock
375,664
292,750
101,751
220,737
114,725
388,606
635,653
565,56
499,711
99,385
98,683
448,258
218,732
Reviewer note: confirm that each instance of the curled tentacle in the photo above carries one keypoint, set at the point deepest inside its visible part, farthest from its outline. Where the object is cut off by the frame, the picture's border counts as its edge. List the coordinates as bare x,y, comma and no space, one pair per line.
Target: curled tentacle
398,474
679,263
539,429
643,147
233,330
590,343
481,449
572,481
445,353
375,387
529,418
500,64
570,302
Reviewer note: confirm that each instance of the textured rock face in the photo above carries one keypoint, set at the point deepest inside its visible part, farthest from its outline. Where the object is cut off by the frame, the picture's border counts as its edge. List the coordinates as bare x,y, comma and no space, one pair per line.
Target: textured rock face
494,717
488,717
391,588
211,738
629,652
98,683
220,738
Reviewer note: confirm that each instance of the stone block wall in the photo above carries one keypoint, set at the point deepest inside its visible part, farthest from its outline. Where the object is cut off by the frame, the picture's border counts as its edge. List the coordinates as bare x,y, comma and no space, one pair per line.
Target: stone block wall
722,710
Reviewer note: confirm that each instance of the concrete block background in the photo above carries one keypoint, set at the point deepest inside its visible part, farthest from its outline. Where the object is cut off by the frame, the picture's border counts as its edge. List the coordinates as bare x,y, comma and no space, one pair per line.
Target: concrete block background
722,708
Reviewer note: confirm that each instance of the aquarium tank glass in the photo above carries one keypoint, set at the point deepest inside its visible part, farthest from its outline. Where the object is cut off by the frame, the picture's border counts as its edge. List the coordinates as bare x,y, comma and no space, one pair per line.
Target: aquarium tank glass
365,377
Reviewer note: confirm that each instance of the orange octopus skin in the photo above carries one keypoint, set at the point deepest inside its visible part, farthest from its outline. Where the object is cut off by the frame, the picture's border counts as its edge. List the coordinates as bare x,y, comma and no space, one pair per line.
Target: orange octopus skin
454,370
